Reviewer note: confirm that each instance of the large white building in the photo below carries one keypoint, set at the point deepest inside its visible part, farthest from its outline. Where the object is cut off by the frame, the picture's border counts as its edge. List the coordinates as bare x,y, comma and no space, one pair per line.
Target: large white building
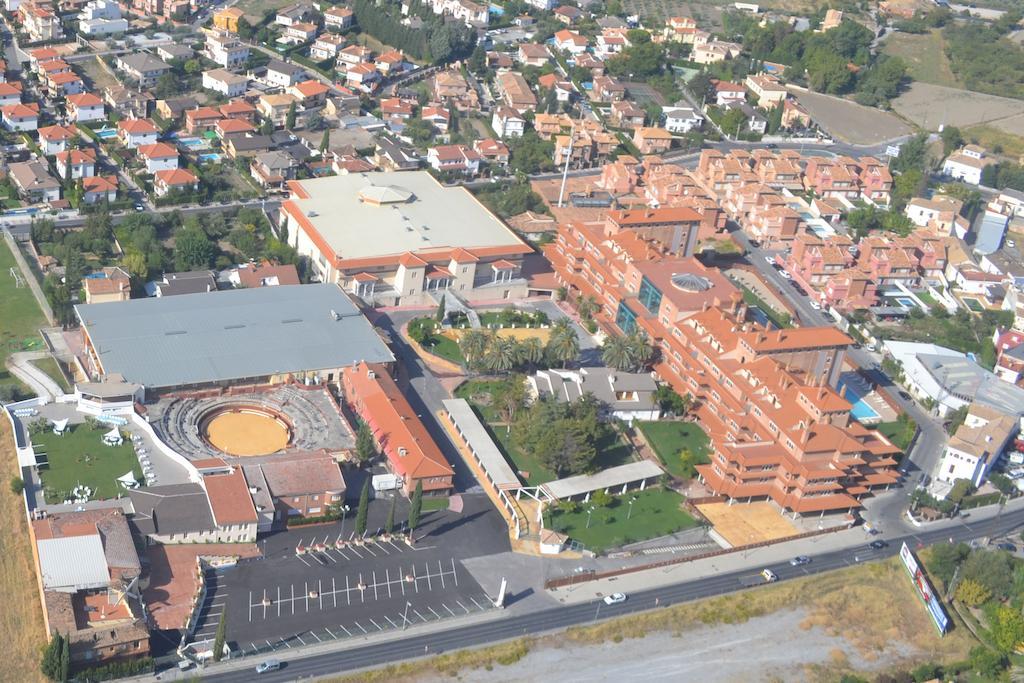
966,164
976,446
426,239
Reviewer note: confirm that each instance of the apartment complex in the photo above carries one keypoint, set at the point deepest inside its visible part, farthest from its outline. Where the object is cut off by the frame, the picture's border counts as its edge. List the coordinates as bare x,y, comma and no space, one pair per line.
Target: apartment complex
778,428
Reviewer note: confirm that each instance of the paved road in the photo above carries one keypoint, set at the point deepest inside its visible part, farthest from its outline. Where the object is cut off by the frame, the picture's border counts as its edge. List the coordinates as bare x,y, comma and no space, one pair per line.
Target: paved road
558,618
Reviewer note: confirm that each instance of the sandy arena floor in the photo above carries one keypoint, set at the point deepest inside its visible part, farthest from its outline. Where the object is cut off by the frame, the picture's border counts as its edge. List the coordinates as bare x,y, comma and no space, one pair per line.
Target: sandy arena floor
247,434
745,523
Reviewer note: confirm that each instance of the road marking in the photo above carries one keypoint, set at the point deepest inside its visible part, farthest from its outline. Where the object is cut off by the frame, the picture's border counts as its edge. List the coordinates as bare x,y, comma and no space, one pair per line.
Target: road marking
387,577
455,574
434,611
415,581
293,599
307,596
342,553
250,606
320,592
286,643
448,608
357,553
462,606
299,639
334,593
299,557
348,594
318,638
342,627
375,584
382,548
278,602
440,572
476,603
393,624
418,614
360,627
269,645
367,549
375,624
329,631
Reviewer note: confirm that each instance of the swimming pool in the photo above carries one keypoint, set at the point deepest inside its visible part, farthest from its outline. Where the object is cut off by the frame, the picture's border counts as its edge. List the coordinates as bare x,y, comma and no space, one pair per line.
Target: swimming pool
211,157
106,133
191,143
860,410
906,301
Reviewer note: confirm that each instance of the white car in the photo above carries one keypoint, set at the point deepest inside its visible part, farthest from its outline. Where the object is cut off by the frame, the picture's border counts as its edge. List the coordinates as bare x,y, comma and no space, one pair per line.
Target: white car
614,598
770,260
815,305
785,275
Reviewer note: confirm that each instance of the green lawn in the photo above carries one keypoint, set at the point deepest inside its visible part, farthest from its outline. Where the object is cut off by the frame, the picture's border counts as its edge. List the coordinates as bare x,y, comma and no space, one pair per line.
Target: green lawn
900,432
656,512
431,503
668,439
80,457
20,317
781,320
531,470
447,348
926,298
481,389
49,366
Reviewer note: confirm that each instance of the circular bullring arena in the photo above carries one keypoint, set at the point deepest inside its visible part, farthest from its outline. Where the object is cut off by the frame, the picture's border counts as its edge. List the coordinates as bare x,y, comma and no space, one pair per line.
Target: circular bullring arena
258,422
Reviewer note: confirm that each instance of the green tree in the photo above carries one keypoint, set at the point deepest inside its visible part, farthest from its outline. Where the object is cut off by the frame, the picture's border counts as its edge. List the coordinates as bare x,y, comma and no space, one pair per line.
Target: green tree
1007,624
219,637
363,509
601,498
416,506
193,250
945,558
511,397
440,310
473,345
502,354
618,353
366,448
563,343
951,139
50,663
670,401
325,142
972,593
961,489
17,485
993,570
956,418
193,66
289,119
531,352
389,523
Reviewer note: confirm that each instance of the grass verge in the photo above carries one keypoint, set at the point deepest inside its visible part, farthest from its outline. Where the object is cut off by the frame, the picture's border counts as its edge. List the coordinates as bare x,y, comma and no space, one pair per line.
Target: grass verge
52,370
20,317
21,619
993,138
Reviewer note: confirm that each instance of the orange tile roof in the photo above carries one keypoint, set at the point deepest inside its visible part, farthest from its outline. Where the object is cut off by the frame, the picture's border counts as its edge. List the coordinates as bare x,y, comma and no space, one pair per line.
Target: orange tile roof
99,183
311,88
137,126
176,176
160,150
85,99
229,498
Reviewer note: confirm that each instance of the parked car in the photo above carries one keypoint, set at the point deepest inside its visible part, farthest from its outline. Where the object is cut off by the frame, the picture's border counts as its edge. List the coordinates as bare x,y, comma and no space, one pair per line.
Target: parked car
785,274
815,305
1008,547
614,598
800,560
770,260
905,396
878,545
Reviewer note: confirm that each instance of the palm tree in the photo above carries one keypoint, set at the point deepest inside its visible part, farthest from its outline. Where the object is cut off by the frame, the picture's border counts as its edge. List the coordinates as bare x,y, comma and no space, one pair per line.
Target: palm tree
502,354
618,352
531,352
586,306
563,344
641,350
473,344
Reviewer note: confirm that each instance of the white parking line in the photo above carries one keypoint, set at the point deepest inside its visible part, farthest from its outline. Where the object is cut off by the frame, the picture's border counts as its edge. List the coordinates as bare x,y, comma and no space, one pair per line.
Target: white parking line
320,592
331,634
342,627
393,624
367,549
379,628
318,638
434,611
448,608
360,627
348,594
380,547
355,552
418,614
250,605
393,545
298,638
306,592
334,592
476,603
440,572
286,643
415,581
462,606
299,557
387,578
375,585
430,586
455,575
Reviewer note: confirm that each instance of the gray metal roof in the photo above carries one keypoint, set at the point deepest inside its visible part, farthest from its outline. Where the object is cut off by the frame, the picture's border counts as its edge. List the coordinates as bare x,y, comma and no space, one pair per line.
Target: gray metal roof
171,509
610,478
230,335
481,443
990,234
74,563
968,381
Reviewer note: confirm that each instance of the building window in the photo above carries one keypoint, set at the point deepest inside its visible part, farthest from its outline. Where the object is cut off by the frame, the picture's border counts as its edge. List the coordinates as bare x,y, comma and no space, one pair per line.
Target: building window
650,296
625,318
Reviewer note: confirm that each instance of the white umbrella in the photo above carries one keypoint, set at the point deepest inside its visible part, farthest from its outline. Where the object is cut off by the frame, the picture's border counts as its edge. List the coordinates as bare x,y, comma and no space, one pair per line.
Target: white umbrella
60,425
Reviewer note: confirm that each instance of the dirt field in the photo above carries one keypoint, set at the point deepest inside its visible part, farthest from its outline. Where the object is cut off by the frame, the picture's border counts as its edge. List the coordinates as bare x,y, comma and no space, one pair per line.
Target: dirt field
924,56
930,105
993,138
745,523
254,9
247,434
100,77
21,619
709,13
850,122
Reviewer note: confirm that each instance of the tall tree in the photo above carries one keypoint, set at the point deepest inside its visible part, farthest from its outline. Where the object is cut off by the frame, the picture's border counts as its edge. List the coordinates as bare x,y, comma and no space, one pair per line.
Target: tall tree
618,353
531,352
366,449
325,142
440,310
50,661
473,344
502,354
363,509
511,397
220,637
289,119
416,507
563,344
389,523
192,249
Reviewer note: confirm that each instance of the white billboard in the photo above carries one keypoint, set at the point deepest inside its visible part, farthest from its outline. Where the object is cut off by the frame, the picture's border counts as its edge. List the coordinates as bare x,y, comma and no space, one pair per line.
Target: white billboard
924,589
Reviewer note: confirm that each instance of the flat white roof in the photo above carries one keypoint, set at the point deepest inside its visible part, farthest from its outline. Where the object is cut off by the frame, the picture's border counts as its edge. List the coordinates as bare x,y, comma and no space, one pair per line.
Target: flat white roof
74,563
612,477
481,443
366,215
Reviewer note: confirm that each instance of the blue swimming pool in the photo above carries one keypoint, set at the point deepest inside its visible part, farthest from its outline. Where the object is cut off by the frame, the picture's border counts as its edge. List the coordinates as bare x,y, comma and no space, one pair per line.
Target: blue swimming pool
860,410
106,133
211,157
906,301
191,143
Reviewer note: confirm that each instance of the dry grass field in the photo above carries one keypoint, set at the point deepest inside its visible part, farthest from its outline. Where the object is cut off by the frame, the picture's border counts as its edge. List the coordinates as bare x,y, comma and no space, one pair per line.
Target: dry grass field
929,106
21,620
924,56
851,122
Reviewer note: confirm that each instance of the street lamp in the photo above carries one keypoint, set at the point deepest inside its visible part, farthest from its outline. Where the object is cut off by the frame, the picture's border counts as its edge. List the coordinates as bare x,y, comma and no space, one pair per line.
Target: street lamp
630,513
405,615
590,511
344,511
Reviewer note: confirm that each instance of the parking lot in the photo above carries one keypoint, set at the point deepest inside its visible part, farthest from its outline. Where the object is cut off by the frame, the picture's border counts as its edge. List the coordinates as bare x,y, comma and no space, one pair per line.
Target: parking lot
317,583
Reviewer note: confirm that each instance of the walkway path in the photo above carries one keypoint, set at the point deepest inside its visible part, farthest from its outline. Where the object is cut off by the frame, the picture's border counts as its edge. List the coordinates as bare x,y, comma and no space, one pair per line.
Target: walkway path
21,366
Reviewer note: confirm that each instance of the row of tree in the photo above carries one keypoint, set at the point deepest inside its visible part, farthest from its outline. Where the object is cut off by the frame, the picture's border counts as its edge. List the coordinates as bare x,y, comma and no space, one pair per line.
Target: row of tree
487,351
438,41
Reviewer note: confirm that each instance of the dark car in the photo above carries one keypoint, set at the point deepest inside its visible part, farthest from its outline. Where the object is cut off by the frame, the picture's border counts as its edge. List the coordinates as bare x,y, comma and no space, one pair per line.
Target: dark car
1008,547
905,396
878,545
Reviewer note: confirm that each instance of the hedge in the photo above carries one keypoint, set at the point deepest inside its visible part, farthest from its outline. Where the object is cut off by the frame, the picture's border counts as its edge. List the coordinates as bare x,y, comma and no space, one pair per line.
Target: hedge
119,669
980,500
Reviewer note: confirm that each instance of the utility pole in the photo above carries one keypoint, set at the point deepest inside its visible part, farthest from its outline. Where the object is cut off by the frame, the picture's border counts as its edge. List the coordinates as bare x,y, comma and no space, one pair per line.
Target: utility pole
565,170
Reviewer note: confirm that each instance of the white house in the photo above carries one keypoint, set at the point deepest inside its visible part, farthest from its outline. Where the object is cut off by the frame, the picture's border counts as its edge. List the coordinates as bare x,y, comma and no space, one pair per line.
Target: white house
680,119
226,50
159,157
53,139
20,117
83,163
507,123
571,42
137,132
966,164
455,158
10,93
627,395
546,5
282,75
225,82
85,107
977,444
101,17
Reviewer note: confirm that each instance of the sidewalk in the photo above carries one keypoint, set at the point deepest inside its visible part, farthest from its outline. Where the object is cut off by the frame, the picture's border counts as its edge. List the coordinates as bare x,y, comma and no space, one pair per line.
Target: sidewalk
41,384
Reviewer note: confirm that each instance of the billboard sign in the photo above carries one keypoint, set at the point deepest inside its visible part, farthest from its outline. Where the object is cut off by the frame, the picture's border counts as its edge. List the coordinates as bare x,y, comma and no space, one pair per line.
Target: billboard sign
924,589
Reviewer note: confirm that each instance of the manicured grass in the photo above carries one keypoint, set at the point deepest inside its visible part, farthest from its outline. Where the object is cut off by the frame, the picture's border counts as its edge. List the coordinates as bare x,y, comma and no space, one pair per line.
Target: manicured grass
80,457
926,298
900,432
481,388
20,317
447,348
656,512
781,320
668,439
431,503
50,367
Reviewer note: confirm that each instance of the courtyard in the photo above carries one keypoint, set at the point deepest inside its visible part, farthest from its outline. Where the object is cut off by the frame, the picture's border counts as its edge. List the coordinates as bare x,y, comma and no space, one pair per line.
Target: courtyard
81,457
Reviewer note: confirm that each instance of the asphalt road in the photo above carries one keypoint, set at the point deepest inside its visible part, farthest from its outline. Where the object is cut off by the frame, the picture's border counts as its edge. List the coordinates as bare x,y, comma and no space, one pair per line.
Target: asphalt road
562,617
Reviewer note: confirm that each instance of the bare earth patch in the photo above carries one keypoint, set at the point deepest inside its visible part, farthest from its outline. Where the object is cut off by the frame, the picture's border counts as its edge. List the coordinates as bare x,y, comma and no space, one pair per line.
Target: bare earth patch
851,122
930,105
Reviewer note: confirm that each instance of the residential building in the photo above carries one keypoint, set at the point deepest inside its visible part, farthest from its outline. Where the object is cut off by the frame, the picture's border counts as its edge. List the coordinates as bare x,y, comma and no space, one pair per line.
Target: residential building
507,122
143,68
438,117
20,117
101,17
515,92
225,82
112,283
40,21
607,89
393,156
533,54
226,50
966,164
467,249
281,75
300,32
126,102
363,77
352,55
715,51
454,159
175,180
625,114
10,94
326,46
492,151
626,396
264,274
158,157
767,90
338,17
570,41
470,13
174,108
175,53
794,116
82,161
135,132
226,128
53,139
272,169
681,118
727,91
85,107
201,119
293,14
301,485
412,454
652,140
227,19
34,182
568,15
275,107
976,446
99,188
238,109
